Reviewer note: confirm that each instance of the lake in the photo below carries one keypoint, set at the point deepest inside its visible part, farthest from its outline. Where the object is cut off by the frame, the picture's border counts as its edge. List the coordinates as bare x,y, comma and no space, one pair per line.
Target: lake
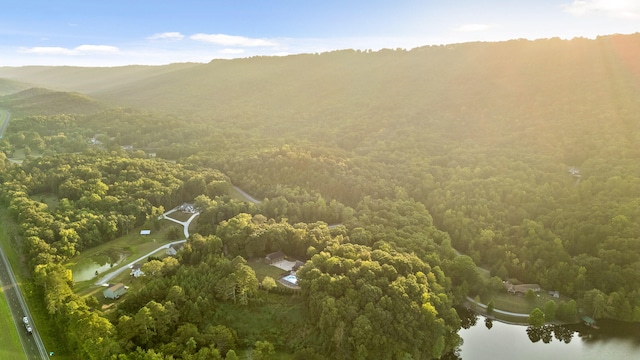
87,269
614,340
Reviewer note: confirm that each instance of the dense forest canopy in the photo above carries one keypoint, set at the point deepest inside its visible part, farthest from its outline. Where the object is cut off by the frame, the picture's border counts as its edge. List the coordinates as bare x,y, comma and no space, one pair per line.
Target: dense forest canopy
522,155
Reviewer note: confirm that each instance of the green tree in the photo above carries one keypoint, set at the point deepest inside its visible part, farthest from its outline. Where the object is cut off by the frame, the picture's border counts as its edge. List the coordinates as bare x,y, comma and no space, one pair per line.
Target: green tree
152,267
567,311
595,303
530,295
490,307
550,308
231,355
536,318
268,283
263,350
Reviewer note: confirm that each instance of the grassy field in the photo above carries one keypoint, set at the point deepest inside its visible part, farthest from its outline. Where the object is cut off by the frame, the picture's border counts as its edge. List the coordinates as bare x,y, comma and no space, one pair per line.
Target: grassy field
51,200
19,155
10,346
263,269
180,215
278,319
518,304
515,304
128,248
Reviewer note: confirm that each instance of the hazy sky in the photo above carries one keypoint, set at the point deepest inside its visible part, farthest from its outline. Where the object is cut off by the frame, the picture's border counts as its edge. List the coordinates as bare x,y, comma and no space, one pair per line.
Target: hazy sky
116,32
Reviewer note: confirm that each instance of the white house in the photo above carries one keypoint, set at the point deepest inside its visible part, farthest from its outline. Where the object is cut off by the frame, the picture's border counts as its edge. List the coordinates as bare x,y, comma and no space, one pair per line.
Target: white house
136,270
173,249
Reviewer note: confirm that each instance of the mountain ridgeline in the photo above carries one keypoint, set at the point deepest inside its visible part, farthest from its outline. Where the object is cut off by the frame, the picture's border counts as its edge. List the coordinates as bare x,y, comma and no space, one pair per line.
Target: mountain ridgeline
522,155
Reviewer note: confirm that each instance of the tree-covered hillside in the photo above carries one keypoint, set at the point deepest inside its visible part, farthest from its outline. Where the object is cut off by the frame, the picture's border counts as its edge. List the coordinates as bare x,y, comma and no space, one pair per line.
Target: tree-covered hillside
39,101
522,155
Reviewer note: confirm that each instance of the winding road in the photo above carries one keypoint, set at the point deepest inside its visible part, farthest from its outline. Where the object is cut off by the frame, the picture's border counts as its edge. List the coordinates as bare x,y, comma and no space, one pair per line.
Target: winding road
105,279
520,315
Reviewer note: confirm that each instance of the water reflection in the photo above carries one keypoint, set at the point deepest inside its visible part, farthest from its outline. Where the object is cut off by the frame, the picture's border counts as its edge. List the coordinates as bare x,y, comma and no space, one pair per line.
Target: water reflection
496,340
98,264
468,318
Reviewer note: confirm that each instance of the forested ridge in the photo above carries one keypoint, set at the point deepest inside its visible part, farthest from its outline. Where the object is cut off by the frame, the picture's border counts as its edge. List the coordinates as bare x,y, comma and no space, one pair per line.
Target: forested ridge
522,155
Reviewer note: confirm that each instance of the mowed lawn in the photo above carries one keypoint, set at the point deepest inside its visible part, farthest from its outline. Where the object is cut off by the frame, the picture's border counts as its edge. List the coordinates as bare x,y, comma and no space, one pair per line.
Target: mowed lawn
10,346
130,246
258,265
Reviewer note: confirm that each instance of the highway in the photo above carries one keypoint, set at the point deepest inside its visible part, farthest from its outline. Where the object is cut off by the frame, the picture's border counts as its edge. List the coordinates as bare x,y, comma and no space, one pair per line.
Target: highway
31,343
5,116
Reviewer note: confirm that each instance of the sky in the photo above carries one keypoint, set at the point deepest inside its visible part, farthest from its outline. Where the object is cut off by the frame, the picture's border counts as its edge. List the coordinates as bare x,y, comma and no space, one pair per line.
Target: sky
156,32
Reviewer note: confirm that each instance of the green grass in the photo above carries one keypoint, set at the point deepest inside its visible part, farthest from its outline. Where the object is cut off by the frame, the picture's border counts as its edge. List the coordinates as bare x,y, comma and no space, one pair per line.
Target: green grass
51,200
131,246
10,346
246,354
513,303
263,269
276,318
235,194
19,155
517,304
180,216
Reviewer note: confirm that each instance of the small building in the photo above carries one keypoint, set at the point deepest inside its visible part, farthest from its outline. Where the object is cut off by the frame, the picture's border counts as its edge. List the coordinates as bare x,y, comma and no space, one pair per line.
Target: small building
589,322
145,232
115,291
173,249
136,270
298,264
555,294
274,257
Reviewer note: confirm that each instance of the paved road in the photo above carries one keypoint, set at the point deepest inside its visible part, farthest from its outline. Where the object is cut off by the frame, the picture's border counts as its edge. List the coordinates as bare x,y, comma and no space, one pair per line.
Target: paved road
5,116
185,224
520,315
32,344
247,196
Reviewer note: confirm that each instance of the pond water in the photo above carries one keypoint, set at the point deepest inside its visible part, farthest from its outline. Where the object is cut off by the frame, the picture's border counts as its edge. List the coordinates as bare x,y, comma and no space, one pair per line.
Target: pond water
485,340
100,263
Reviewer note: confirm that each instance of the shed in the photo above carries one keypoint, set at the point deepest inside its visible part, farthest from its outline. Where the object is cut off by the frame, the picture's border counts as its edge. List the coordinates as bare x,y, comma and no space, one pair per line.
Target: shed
115,291
145,232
